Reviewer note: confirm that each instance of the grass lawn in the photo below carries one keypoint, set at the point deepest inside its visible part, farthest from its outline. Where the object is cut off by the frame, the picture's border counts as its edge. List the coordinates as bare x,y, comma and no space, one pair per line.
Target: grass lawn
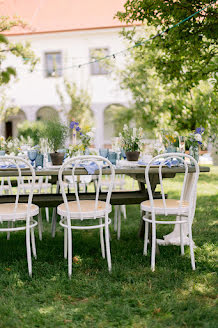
132,296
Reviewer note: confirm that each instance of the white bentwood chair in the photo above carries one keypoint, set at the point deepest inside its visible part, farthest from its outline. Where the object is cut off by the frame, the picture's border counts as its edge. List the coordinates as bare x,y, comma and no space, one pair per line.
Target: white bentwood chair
183,209
84,210
12,213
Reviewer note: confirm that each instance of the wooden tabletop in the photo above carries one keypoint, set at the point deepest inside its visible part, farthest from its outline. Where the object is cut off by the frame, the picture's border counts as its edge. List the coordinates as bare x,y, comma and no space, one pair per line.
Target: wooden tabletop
123,170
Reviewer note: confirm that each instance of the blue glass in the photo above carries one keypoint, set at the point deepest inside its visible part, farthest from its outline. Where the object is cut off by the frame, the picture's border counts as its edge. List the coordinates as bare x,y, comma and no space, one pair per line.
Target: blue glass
39,160
112,156
104,152
32,154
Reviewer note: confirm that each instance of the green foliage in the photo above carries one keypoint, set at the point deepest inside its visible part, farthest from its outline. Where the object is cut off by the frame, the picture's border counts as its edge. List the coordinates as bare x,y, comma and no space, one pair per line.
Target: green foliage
56,133
80,103
34,130
17,49
158,105
187,52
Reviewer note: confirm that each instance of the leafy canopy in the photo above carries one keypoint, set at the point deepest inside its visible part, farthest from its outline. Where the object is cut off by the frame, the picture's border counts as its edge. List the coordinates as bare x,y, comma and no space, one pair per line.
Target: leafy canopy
188,52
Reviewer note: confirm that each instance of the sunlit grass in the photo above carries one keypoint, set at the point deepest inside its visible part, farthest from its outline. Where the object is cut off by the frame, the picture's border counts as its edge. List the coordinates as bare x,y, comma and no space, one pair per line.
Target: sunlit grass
131,296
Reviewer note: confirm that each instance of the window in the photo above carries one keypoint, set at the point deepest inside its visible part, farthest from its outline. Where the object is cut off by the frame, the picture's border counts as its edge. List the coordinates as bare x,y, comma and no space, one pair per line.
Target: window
53,64
99,67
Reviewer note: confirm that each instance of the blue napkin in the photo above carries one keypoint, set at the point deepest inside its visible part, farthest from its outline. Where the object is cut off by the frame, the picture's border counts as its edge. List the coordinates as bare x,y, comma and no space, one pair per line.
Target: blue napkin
168,163
12,166
89,167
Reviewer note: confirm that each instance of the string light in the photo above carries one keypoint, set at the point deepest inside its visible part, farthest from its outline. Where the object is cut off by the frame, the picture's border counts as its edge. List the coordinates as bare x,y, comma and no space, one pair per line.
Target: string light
132,47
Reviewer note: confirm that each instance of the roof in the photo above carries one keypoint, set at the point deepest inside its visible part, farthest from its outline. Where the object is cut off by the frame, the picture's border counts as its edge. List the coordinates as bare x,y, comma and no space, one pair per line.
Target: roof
47,16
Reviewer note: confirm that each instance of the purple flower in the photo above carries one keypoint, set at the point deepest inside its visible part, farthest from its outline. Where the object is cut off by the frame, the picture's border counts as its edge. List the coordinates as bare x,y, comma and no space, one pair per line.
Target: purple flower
72,124
81,133
199,130
78,129
77,123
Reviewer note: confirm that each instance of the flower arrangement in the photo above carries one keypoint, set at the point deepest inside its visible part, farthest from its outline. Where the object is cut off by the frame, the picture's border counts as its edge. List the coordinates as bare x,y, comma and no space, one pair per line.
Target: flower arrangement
169,138
131,139
2,143
194,139
13,146
81,138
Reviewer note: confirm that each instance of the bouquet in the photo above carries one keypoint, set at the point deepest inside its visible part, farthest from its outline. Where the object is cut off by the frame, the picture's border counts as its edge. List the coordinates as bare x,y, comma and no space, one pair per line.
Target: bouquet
81,138
195,139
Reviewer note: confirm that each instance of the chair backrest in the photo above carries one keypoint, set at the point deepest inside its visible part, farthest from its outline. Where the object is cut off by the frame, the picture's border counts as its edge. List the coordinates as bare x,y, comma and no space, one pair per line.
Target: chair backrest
83,162
167,160
17,167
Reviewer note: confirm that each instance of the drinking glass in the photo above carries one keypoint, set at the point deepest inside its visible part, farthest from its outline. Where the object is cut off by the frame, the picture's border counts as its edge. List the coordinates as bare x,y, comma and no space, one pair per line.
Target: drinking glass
182,144
104,152
32,154
112,156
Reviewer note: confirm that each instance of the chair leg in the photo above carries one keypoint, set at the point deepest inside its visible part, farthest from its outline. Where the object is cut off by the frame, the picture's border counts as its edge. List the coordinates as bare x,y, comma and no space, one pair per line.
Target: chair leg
69,242
181,238
191,246
65,243
47,214
146,239
40,224
28,249
118,221
123,207
53,223
107,241
153,245
102,240
8,232
33,242
115,217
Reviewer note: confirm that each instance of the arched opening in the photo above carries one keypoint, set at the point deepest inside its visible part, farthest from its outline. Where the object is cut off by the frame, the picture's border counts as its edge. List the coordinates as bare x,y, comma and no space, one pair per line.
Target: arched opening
113,123
12,122
46,113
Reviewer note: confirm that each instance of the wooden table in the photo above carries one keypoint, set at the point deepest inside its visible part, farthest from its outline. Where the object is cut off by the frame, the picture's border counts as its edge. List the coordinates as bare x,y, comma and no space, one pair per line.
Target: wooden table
117,198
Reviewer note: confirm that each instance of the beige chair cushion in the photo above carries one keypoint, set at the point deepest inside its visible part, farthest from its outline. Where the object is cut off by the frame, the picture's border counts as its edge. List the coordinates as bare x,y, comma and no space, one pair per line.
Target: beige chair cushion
87,206
7,210
171,204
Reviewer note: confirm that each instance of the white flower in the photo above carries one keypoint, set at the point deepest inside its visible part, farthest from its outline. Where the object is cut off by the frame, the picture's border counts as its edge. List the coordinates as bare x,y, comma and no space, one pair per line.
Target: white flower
125,127
198,137
90,134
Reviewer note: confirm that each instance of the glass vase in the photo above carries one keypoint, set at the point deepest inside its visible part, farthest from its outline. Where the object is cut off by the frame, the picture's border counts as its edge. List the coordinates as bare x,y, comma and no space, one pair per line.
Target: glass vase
194,152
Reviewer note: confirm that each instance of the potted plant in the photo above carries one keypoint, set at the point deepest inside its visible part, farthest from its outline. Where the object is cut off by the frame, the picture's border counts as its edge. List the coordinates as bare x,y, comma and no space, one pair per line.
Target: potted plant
56,133
131,142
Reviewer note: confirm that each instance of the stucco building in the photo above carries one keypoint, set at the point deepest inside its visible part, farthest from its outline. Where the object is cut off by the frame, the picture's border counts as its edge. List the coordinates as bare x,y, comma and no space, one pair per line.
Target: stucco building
64,34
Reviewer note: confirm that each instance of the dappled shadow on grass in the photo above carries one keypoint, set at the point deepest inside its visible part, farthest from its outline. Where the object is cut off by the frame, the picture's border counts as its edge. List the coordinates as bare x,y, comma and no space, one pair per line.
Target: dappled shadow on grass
172,296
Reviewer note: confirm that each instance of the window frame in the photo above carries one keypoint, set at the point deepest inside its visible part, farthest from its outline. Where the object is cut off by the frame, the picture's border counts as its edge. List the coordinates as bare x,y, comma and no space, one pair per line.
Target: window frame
95,68
58,69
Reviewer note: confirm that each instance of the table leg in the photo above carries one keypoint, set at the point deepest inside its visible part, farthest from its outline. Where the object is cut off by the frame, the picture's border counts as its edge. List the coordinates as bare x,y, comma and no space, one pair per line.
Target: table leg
54,215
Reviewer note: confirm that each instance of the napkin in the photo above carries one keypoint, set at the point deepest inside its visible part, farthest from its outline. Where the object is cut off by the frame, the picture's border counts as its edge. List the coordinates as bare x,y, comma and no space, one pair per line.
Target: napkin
168,163
12,166
89,167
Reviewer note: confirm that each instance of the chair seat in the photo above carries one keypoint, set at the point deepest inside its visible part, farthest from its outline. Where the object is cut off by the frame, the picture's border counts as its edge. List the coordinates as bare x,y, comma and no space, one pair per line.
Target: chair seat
172,206
87,209
7,211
